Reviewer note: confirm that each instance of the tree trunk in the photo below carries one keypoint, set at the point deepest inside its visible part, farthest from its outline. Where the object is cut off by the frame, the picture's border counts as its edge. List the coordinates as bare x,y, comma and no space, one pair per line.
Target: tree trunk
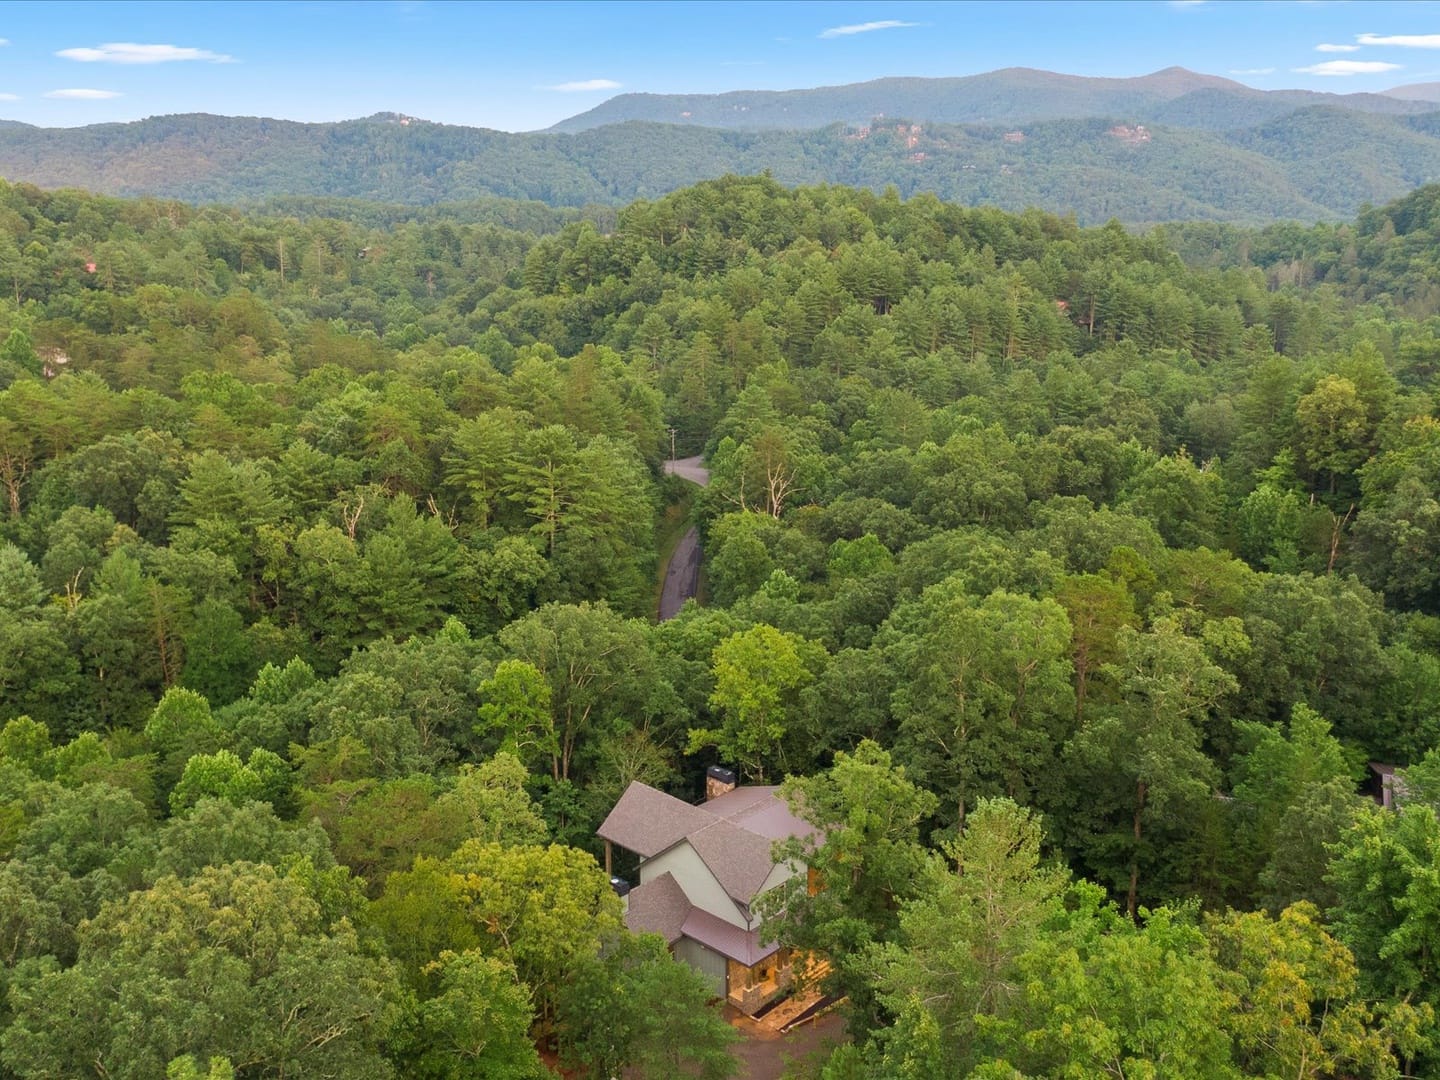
1130,906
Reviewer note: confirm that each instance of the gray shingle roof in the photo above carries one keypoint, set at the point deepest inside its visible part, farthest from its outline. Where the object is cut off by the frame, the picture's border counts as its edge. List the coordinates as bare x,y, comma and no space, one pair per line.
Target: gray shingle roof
739,859
658,907
733,834
647,821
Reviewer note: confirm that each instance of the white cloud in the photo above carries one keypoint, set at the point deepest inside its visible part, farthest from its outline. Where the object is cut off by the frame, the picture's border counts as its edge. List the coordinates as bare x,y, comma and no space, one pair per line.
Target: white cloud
1183,4
585,86
82,95
1337,48
864,28
1347,67
1252,71
9,97
1405,41
127,52
4,41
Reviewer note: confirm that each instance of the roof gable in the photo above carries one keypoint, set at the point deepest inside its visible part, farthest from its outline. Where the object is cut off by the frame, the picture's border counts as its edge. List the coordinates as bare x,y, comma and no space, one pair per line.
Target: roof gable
658,907
647,821
733,834
740,860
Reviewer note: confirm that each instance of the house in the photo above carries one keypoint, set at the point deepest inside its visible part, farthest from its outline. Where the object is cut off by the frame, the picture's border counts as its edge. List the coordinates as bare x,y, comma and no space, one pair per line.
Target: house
701,869
1384,784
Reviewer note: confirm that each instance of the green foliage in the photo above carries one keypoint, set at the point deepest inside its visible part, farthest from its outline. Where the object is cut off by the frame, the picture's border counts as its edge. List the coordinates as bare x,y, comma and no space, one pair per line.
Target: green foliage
516,706
1296,1010
265,777
320,651
1383,871
978,909
760,677
985,695
477,1025
1142,765
185,1068
868,859
205,967
544,909
635,1007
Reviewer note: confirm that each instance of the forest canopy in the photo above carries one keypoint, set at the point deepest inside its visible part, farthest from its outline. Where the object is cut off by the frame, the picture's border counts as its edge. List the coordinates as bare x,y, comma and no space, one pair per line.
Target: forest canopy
1076,567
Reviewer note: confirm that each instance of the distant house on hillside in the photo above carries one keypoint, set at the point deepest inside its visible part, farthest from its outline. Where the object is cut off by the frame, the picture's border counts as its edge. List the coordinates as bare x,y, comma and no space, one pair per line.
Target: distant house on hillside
701,868
1134,136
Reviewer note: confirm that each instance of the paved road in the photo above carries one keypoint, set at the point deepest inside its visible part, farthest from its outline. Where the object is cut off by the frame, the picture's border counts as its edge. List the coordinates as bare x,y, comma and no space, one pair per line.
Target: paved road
682,576
690,468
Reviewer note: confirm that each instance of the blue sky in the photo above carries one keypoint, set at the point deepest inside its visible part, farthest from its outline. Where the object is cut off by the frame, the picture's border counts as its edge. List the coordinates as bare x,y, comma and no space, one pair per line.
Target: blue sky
524,66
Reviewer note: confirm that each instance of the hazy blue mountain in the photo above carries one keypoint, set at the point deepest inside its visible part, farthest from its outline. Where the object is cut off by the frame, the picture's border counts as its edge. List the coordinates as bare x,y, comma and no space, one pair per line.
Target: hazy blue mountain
1009,96
1429,92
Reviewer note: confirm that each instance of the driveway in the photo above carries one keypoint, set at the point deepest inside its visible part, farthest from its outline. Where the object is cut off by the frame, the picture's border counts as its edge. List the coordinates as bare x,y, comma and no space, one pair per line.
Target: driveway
764,1054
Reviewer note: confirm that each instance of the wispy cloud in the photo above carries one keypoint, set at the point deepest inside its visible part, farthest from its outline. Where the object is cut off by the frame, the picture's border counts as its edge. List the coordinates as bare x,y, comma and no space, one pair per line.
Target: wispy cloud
4,41
1337,48
1181,5
584,86
1252,71
1404,41
9,97
1348,67
127,52
82,95
864,28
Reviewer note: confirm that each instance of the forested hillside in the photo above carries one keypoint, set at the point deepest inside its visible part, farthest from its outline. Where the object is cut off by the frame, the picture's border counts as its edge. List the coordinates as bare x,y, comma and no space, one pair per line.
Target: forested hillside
1307,164
1072,582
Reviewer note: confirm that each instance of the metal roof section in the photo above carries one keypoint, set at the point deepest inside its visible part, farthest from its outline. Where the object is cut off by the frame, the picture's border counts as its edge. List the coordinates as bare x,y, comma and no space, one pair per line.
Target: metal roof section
743,946
762,811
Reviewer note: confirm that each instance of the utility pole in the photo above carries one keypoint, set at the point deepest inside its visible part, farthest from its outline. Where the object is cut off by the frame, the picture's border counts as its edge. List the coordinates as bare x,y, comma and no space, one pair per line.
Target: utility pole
672,446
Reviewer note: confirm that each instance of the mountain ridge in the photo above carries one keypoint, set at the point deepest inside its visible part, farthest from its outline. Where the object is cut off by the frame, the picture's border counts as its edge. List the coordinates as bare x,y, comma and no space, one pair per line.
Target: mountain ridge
1427,92
1007,95
1308,162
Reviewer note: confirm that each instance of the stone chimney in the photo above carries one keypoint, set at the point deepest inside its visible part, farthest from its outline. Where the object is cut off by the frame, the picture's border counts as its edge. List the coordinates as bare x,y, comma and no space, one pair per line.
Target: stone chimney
718,781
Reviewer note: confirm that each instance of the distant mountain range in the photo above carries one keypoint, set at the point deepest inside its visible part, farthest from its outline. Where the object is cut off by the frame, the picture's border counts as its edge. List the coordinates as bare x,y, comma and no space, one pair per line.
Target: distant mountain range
1417,92
1168,146
1010,96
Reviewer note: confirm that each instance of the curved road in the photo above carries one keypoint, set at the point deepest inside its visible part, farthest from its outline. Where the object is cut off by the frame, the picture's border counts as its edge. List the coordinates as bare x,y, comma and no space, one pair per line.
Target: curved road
682,575
688,468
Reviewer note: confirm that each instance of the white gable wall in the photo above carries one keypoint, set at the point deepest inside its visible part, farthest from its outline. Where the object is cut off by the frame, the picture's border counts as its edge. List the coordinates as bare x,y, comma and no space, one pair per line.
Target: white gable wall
695,878
781,872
